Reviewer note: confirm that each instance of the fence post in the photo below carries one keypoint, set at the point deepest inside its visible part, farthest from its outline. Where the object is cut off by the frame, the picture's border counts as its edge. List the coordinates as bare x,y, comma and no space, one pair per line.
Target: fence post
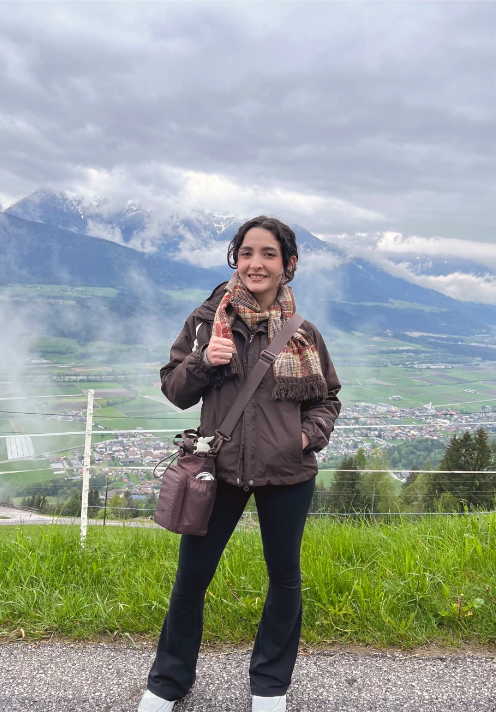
86,467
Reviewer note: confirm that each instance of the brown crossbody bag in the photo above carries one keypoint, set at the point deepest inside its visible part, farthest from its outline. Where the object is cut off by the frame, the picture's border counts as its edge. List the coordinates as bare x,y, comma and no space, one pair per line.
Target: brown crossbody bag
187,493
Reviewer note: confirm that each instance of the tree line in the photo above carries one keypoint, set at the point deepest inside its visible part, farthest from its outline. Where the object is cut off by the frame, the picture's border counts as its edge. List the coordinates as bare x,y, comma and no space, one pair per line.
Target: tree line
123,506
463,480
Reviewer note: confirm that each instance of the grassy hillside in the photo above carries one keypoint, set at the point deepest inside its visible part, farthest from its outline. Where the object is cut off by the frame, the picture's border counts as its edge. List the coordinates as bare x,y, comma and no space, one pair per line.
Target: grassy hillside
404,584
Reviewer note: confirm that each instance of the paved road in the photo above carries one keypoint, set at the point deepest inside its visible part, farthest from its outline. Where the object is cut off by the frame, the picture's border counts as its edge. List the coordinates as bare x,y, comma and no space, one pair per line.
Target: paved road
15,517
21,516
50,677
18,516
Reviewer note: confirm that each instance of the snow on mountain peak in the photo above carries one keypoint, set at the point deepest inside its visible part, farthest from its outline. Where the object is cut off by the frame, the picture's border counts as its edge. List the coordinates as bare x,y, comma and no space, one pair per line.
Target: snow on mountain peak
219,221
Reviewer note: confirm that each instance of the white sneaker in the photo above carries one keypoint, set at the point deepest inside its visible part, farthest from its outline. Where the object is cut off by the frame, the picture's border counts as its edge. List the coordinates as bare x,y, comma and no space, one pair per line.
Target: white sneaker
152,703
268,704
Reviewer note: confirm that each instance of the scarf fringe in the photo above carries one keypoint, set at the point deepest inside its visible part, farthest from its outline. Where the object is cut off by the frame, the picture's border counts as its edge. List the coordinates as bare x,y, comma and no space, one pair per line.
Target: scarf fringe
310,388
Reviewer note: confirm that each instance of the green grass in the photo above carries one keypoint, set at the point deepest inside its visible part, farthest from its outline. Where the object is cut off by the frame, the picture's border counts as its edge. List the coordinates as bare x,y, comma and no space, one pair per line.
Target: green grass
403,584
108,411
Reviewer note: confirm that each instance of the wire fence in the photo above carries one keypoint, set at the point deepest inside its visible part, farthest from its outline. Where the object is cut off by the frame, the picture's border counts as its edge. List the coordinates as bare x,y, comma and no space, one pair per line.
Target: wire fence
324,514
253,516
133,431
190,414
147,468
461,474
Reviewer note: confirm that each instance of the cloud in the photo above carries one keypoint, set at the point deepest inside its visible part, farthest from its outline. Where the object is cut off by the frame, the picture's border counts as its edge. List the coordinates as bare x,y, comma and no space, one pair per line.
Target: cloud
384,250
397,244
376,246
203,254
169,191
311,262
344,117
458,285
97,228
465,287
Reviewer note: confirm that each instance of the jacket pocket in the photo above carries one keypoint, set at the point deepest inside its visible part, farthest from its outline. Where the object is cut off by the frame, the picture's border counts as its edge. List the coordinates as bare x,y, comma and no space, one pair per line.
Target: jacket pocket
277,440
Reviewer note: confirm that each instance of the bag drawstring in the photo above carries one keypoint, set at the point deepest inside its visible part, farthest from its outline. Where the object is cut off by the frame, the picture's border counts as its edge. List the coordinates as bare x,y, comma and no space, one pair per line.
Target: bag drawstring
174,455
188,443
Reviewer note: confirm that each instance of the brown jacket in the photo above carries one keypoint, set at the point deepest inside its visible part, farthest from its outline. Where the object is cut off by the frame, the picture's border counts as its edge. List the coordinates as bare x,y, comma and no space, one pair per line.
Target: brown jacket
266,443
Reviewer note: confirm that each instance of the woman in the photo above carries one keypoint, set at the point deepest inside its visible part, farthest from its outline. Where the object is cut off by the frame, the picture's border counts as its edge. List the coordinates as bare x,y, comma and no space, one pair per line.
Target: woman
271,454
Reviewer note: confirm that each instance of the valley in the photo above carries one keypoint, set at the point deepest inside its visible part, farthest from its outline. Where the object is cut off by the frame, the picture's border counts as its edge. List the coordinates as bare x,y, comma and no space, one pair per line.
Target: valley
78,311
393,393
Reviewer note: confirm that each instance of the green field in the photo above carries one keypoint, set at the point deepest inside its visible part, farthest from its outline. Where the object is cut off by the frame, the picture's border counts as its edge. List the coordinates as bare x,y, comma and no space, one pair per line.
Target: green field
405,584
37,471
38,391
324,478
151,390
147,414
443,387
44,443
196,296
101,385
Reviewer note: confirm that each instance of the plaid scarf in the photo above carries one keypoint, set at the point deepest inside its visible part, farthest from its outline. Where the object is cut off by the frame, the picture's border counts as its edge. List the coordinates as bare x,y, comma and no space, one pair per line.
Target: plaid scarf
297,369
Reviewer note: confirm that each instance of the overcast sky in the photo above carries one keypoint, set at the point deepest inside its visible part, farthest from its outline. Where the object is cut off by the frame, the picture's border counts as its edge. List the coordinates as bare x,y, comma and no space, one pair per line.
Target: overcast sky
346,117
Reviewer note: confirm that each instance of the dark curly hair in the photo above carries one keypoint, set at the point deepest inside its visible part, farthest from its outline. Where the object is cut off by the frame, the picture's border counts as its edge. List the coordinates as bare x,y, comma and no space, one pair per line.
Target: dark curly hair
283,234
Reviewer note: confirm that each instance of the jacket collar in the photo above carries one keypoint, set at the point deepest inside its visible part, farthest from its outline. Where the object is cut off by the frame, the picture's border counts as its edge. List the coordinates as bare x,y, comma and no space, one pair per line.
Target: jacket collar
206,311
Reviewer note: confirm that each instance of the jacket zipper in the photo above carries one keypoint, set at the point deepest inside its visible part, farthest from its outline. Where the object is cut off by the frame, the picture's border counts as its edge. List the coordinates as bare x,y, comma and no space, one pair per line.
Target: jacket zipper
245,368
246,354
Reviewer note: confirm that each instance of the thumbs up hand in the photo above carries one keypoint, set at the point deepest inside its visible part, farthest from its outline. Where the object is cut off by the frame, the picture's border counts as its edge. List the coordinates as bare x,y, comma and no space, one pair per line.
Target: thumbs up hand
219,350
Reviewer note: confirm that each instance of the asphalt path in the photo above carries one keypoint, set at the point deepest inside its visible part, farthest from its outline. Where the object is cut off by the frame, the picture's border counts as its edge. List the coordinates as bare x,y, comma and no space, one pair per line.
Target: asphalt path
106,677
22,516
16,517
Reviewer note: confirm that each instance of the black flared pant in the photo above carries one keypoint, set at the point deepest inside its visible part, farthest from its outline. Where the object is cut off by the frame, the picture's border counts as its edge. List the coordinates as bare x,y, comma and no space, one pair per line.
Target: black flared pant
282,511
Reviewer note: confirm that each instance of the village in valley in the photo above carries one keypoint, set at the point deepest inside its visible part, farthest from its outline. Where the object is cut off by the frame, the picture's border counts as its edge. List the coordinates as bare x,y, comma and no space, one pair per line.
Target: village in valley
403,402
128,460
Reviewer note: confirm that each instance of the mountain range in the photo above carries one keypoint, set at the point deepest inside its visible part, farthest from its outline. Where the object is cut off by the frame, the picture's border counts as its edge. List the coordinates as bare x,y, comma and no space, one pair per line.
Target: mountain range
51,238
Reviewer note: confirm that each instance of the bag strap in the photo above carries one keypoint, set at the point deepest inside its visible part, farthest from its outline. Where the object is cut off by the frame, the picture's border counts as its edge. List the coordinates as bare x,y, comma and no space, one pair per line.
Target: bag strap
267,358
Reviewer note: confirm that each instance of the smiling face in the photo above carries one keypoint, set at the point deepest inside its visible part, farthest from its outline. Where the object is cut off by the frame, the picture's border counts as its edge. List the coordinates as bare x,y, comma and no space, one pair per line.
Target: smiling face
260,265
